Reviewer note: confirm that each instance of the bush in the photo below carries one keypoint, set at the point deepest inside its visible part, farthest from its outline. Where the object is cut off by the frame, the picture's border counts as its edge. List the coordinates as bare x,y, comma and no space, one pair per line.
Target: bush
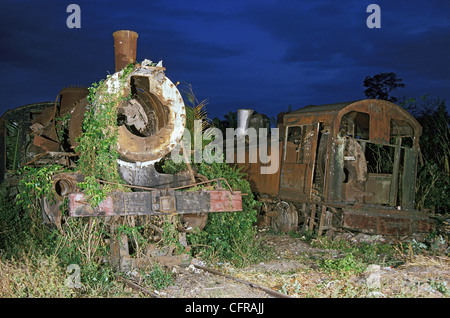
433,175
33,276
227,236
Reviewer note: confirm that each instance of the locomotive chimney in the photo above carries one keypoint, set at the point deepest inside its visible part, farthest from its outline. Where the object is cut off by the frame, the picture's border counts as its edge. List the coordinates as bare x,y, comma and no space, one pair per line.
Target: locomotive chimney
243,119
125,43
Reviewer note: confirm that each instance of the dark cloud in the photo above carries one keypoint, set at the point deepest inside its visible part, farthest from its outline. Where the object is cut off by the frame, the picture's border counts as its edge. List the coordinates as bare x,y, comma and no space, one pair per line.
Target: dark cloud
261,54
332,49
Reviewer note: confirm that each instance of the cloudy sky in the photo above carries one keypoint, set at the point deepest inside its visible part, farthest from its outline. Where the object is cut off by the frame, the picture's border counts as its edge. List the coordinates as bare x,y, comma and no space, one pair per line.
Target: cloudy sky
259,54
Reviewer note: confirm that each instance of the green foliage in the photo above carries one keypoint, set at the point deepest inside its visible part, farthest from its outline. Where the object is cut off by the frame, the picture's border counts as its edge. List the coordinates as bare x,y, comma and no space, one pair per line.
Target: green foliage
12,145
34,184
62,127
433,176
15,226
195,111
230,234
353,258
33,276
158,277
227,236
97,144
346,265
440,286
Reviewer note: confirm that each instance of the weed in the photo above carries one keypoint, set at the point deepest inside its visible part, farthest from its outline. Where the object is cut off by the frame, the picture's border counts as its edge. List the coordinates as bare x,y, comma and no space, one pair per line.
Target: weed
440,286
157,277
349,264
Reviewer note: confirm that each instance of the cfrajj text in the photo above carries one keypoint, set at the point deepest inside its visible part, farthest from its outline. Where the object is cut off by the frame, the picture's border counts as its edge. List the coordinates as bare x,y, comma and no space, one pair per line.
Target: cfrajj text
256,308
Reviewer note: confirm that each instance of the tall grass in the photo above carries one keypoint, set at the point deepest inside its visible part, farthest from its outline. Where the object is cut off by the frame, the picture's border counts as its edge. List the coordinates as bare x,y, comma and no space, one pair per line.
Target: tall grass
433,178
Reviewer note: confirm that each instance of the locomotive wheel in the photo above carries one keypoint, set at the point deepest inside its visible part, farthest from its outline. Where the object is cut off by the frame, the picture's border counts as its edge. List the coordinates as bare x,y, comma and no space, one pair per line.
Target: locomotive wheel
286,219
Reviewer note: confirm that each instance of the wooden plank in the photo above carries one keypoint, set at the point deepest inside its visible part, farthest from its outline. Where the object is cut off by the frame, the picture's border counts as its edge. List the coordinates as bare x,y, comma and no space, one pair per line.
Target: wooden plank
312,216
395,174
322,219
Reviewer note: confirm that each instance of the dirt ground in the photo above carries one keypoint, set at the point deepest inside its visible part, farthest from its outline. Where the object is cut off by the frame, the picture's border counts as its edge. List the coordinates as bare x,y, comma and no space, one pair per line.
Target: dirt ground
292,272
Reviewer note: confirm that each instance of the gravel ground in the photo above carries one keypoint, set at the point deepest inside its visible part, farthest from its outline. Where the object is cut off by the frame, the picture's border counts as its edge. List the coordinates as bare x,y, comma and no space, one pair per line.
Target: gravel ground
292,274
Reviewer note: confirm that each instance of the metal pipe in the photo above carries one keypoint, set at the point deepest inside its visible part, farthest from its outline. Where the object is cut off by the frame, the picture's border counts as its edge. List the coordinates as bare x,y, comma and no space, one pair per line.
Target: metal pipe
125,45
243,119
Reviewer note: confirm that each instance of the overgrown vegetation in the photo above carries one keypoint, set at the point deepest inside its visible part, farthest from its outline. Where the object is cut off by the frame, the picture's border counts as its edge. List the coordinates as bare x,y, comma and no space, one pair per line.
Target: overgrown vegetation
98,153
227,236
83,242
35,258
433,175
24,239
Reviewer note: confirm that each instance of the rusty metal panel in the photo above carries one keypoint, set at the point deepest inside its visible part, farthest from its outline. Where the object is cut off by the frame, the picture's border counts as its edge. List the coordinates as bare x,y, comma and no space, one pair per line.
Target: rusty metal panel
76,121
409,178
362,221
379,186
381,112
221,201
293,179
78,206
260,183
46,144
69,96
297,168
375,220
395,225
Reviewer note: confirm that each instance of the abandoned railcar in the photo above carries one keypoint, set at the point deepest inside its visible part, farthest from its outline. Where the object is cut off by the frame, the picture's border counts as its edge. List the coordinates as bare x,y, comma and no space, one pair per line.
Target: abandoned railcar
343,166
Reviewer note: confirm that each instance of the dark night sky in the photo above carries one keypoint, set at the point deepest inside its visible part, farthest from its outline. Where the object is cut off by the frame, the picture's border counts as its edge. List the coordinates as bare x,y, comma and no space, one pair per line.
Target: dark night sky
260,54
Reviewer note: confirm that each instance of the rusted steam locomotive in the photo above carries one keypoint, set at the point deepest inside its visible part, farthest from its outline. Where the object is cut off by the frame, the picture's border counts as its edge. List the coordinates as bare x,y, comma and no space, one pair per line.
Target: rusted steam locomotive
151,123
343,166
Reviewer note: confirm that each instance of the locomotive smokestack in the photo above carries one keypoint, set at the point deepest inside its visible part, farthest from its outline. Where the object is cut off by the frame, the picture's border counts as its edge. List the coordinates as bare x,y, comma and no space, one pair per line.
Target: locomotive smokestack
125,44
243,119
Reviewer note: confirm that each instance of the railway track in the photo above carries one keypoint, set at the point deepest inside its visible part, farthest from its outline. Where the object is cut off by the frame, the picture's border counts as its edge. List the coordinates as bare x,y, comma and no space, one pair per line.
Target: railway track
270,292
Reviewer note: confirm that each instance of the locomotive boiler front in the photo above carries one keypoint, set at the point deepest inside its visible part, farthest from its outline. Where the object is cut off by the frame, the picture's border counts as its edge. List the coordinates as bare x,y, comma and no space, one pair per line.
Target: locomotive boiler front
151,122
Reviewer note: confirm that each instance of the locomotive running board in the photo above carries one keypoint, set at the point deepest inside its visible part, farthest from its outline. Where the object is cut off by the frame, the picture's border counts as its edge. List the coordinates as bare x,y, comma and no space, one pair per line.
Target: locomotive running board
157,202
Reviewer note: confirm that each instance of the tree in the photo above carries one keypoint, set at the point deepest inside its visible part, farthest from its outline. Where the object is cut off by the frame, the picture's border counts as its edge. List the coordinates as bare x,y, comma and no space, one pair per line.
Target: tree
380,85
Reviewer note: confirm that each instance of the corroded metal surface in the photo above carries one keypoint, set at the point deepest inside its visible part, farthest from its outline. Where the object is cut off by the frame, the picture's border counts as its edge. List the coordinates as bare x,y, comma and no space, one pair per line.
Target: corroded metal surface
69,96
157,202
387,221
66,183
125,46
162,108
76,121
361,153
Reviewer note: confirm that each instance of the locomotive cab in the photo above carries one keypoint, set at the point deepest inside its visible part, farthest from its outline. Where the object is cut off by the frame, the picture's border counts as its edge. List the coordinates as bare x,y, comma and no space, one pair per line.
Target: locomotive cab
344,166
359,152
